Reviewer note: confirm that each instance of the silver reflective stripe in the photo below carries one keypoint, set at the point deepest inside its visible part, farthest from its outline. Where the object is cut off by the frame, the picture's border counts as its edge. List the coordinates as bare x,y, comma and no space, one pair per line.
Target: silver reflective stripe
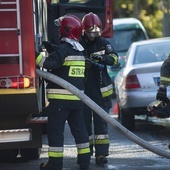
70,58
101,136
104,89
91,137
100,52
55,149
83,145
59,91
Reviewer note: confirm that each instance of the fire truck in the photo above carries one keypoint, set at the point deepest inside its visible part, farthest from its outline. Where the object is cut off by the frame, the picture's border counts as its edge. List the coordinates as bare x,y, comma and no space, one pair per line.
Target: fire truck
24,24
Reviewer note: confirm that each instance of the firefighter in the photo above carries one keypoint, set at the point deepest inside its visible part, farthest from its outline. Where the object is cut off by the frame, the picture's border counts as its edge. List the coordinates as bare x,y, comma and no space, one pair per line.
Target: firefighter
161,95
98,86
68,62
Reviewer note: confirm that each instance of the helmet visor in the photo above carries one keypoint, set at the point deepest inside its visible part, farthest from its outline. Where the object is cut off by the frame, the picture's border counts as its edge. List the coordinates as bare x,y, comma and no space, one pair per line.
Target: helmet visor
94,31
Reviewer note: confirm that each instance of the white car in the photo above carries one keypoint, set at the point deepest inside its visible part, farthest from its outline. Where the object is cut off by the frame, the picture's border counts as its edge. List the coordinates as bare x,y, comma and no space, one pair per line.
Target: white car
137,83
125,32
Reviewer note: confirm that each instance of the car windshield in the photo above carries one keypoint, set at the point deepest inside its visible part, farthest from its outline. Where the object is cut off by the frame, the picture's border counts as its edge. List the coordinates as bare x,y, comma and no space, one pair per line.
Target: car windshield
154,52
122,39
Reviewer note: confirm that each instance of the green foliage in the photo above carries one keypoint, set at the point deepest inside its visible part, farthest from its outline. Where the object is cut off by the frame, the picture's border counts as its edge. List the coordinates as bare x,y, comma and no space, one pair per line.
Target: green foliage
149,12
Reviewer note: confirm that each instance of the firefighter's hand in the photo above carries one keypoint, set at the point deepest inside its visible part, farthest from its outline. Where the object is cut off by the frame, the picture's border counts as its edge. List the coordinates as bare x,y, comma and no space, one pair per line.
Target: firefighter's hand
48,46
162,94
97,57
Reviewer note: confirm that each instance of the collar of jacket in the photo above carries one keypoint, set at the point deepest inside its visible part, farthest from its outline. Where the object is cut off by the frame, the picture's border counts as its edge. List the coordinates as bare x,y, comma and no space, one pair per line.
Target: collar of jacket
76,45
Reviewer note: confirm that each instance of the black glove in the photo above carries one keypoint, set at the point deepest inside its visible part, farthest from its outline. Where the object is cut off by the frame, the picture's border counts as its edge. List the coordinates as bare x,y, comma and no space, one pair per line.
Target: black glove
48,46
162,94
97,57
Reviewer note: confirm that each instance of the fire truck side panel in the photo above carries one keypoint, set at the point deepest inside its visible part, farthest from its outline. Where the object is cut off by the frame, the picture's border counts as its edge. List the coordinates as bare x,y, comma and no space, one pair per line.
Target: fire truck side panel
18,104
17,65
27,34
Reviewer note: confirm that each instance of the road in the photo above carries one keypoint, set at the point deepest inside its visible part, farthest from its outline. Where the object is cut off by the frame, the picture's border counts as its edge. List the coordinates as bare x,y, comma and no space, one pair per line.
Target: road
124,154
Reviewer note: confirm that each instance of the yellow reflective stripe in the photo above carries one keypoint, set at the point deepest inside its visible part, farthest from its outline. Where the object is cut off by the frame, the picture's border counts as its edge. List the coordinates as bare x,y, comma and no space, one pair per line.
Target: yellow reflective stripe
115,58
74,63
91,140
39,58
60,91
165,79
76,71
62,97
101,141
83,151
107,93
55,154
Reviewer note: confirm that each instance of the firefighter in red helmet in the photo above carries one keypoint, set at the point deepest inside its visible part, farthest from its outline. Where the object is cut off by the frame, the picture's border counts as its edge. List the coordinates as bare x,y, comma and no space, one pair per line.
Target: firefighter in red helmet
63,61
98,85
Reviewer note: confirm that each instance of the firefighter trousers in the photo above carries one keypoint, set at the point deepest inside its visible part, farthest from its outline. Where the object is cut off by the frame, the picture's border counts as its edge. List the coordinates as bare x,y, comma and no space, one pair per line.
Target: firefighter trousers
57,118
97,129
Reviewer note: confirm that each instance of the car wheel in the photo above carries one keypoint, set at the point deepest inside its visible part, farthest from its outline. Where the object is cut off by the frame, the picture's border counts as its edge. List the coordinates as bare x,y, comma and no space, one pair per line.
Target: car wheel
127,120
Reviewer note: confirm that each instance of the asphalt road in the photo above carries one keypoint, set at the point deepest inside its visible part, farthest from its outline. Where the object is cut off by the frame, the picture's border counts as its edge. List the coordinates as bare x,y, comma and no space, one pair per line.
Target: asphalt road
124,154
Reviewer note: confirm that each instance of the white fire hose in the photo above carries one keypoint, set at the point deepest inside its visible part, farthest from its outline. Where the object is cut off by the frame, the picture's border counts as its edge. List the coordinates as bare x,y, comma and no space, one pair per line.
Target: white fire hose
55,79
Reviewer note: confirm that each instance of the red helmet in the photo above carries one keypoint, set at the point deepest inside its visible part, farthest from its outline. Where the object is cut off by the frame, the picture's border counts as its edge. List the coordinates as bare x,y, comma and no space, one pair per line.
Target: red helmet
70,27
92,25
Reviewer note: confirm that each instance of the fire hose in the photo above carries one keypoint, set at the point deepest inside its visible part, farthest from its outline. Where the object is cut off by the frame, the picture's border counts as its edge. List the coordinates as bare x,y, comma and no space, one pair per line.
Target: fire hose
55,79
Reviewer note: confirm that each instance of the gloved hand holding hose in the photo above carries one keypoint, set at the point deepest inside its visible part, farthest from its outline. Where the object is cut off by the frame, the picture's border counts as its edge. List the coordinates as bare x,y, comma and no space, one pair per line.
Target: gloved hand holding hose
98,57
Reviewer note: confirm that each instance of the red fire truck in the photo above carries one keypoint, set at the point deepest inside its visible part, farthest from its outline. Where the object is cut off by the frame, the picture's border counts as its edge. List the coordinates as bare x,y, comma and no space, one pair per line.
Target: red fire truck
24,24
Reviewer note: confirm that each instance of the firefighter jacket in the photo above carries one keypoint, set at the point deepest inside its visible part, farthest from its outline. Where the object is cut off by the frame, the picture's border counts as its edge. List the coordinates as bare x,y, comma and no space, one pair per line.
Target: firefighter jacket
69,64
98,84
165,73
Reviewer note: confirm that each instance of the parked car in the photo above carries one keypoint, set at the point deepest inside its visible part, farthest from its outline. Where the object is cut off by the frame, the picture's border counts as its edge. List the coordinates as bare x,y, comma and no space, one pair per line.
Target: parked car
137,83
125,32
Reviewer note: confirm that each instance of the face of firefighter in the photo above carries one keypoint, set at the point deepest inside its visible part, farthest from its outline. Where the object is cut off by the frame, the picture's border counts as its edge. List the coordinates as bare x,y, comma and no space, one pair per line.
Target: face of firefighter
92,35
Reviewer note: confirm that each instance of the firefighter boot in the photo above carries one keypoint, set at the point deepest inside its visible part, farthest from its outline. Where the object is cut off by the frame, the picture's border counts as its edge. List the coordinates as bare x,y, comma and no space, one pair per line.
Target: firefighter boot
83,160
52,164
101,160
